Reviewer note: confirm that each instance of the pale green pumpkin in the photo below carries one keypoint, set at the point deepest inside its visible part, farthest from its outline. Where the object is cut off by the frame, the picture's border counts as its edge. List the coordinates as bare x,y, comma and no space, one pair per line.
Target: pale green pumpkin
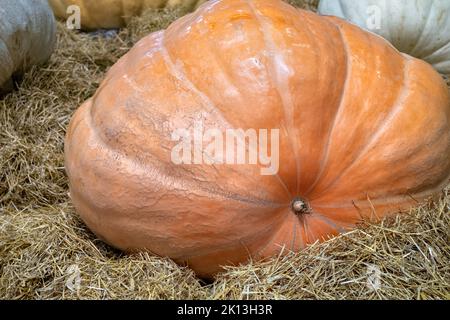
27,37
420,28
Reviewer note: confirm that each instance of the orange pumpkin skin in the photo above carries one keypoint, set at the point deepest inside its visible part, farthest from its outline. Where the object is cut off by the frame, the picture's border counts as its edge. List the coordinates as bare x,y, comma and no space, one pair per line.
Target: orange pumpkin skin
364,132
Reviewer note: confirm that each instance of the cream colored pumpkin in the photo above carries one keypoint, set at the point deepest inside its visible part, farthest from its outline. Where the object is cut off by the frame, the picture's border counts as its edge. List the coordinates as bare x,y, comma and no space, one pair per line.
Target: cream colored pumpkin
108,14
27,36
418,28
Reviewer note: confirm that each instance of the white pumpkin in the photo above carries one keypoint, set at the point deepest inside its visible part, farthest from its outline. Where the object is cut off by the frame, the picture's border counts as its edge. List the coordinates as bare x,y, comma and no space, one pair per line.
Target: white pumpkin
420,28
27,36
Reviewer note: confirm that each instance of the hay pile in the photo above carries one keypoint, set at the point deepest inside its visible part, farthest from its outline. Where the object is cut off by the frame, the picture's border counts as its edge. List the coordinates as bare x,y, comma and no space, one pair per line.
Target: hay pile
44,246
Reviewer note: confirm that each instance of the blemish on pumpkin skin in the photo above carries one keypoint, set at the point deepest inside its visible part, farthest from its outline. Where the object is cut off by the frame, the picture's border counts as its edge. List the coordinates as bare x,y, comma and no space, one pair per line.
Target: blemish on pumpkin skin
211,26
240,16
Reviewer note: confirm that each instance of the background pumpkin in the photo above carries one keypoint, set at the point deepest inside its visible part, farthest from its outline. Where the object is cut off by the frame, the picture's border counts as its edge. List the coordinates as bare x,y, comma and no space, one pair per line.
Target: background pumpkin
27,36
359,137
418,28
108,14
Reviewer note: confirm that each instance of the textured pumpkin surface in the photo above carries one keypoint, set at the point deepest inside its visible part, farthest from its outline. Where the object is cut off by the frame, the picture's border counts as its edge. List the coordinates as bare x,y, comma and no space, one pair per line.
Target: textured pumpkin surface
27,36
107,14
364,132
418,28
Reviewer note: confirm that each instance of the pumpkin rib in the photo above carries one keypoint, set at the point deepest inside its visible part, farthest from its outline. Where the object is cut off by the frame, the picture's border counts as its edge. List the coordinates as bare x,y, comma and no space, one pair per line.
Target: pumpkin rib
278,233
329,221
420,159
278,176
302,242
347,217
282,85
422,32
294,232
281,216
274,235
391,200
225,72
315,228
179,28
352,111
307,16
240,242
157,37
215,51
181,75
398,105
236,197
443,65
220,62
305,232
443,47
325,158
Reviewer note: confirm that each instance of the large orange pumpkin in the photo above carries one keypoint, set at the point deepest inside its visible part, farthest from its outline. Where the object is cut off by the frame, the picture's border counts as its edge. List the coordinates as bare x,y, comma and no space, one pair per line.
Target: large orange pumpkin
364,132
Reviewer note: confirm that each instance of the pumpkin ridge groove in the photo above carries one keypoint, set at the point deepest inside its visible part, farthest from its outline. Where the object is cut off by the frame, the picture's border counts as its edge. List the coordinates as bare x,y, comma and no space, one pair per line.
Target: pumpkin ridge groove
306,231
412,51
281,85
272,237
437,52
392,200
174,71
219,61
302,241
24,30
395,110
294,237
217,57
328,221
324,160
217,194
181,76
227,245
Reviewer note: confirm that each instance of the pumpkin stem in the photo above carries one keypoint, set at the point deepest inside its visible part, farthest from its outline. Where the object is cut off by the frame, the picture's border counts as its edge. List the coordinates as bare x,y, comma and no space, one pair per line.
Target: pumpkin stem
299,206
